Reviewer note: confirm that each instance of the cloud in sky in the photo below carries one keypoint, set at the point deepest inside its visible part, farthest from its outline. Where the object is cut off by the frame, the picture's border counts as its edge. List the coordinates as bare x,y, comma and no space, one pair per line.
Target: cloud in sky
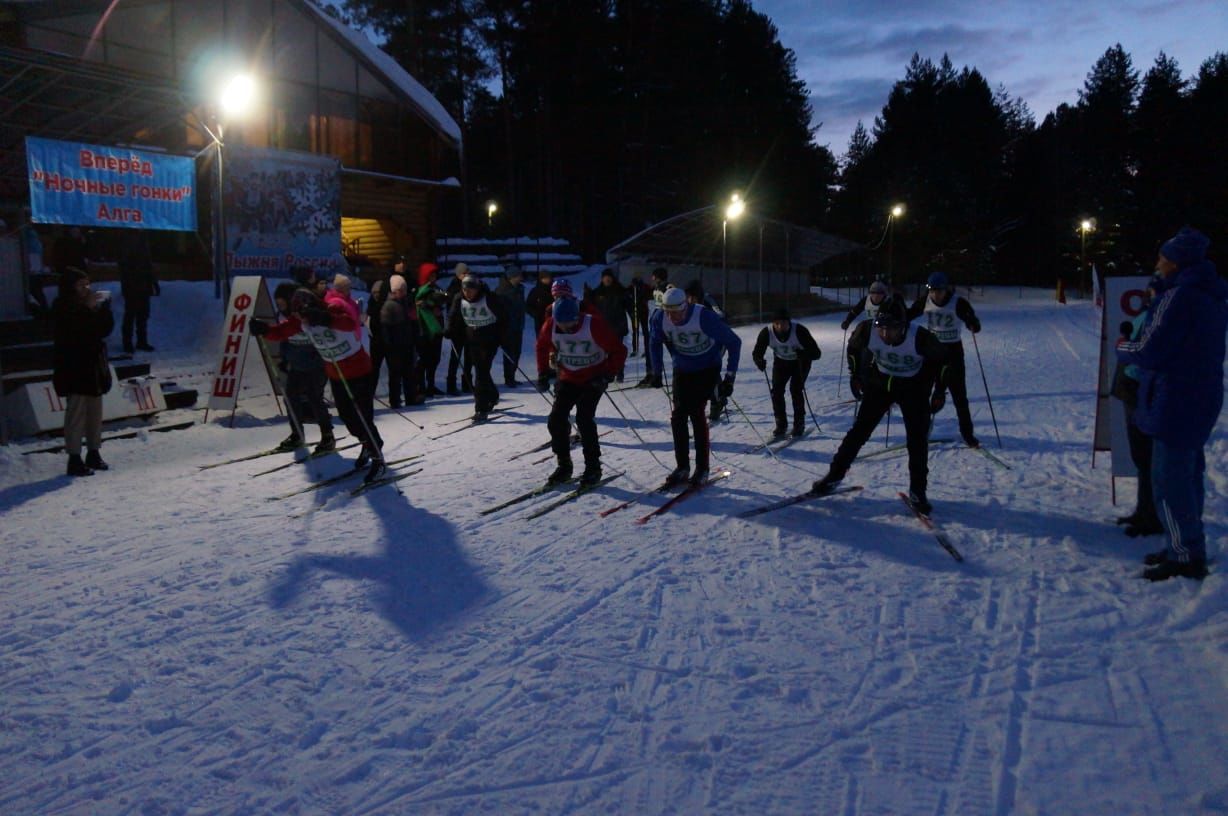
850,53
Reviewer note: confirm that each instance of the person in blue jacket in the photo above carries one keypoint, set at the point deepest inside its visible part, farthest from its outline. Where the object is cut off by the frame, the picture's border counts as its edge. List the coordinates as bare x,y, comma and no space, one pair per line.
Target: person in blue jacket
696,338
1180,357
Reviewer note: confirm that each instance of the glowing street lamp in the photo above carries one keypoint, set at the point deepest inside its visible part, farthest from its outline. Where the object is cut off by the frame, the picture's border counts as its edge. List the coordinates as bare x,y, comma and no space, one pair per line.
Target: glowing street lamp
491,209
1085,226
895,212
235,99
733,211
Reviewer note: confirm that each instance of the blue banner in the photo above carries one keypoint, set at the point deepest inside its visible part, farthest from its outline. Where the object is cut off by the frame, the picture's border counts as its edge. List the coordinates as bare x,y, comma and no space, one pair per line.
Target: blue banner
283,209
97,186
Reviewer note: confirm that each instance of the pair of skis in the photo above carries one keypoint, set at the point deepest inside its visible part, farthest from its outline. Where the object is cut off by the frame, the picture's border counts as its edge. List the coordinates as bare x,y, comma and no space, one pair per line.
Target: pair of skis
688,490
249,457
779,443
349,474
544,489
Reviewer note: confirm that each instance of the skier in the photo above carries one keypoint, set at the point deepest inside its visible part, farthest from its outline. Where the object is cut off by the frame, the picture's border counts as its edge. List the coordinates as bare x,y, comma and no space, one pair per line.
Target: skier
458,360
868,304
305,378
793,352
587,355
696,339
334,333
944,310
476,326
896,363
695,293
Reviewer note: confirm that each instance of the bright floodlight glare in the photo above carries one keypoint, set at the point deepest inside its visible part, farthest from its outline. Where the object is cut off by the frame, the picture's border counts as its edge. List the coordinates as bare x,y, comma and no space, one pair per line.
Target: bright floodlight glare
736,207
1085,225
897,210
237,95
491,208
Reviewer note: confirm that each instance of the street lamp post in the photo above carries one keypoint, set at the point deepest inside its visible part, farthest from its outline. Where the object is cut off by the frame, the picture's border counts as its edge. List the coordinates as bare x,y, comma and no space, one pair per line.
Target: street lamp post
491,209
233,101
896,212
733,212
1085,226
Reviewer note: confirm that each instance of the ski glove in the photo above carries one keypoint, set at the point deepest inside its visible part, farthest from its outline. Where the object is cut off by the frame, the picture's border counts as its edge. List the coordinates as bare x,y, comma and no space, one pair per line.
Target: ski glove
761,363
855,387
599,383
844,324
726,387
258,327
937,401
543,383
974,326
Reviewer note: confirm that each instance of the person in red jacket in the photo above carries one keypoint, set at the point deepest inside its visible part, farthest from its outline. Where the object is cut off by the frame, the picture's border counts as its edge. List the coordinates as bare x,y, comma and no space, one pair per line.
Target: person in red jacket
587,355
335,334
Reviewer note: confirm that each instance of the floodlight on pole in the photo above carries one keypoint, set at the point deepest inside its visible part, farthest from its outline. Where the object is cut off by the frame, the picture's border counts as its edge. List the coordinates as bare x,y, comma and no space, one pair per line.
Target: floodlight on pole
235,99
491,209
733,211
895,212
1085,226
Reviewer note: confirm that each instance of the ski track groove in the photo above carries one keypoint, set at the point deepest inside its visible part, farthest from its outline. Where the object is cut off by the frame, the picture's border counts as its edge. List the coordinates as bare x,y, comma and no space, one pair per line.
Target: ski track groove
1022,687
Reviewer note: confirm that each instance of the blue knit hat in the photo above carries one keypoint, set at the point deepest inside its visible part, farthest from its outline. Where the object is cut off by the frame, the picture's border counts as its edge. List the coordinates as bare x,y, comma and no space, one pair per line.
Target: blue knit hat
1188,246
937,280
566,310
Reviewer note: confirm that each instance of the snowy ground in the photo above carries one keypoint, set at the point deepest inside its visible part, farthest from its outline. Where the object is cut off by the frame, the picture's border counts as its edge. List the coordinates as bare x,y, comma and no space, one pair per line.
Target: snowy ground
174,642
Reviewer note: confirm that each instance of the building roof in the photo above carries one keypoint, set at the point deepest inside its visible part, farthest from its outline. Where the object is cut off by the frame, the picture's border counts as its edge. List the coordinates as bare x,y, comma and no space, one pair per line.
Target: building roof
695,237
413,91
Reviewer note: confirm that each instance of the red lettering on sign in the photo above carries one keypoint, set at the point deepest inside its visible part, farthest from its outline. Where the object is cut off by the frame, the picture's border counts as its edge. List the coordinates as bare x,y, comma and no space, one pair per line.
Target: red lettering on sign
234,342
238,324
229,366
1132,301
243,302
224,387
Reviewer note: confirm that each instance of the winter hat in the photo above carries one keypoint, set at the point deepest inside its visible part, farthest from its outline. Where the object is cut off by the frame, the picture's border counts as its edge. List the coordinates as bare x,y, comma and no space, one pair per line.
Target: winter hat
660,273
425,271
561,288
607,271
68,280
461,270
879,288
284,291
781,314
470,282
566,310
396,282
937,280
673,300
341,280
892,314
303,299
1187,247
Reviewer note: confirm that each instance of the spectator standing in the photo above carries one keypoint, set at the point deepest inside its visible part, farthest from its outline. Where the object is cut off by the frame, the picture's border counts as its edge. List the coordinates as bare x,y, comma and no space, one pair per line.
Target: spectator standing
1180,356
138,284
612,302
400,331
429,301
511,295
81,374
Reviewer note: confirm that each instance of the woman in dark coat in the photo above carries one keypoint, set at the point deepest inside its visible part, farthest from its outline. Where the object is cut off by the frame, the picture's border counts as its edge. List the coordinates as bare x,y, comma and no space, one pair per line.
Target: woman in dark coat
81,375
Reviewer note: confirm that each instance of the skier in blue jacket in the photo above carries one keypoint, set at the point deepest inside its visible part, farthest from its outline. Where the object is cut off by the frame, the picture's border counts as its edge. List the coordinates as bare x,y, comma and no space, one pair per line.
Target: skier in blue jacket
1180,357
696,338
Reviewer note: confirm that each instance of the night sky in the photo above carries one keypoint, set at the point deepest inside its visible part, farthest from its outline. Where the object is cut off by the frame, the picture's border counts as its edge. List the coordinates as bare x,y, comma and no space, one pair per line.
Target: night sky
850,52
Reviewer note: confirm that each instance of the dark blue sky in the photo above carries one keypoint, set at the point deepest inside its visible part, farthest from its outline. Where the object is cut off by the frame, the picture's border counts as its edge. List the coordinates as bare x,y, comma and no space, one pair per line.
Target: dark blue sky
850,52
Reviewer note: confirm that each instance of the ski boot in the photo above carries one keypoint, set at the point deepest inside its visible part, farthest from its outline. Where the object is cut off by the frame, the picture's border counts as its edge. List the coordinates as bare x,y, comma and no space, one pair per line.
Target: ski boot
93,461
291,442
679,475
916,498
1154,559
699,476
591,474
1176,569
825,485
799,429
561,474
779,432
376,470
327,444
971,441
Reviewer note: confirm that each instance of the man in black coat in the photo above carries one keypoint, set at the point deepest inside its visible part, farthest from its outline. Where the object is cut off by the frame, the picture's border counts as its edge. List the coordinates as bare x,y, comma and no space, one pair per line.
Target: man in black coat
137,284
511,296
80,372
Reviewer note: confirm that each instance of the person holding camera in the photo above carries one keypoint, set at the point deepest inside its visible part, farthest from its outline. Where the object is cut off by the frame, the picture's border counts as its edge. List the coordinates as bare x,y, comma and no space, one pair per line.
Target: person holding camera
80,372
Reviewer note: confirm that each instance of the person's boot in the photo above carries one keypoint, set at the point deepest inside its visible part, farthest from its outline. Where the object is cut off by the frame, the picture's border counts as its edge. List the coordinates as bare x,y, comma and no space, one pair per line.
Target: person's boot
1156,558
679,475
917,499
971,441
780,431
93,460
327,444
699,476
1144,527
1176,569
591,474
825,485
143,346
375,470
799,430
291,442
561,474
76,467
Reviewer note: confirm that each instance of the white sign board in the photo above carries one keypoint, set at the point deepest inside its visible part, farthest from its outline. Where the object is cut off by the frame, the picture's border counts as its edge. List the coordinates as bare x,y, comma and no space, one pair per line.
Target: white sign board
249,298
1123,301
36,408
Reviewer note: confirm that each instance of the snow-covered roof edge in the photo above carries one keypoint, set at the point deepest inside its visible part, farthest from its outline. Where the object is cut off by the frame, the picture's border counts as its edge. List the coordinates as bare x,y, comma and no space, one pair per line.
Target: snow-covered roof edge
421,98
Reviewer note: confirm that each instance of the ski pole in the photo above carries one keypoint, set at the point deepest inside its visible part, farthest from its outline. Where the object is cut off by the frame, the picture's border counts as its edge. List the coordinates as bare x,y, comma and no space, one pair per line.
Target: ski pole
985,382
840,375
887,438
398,412
817,426
345,383
634,432
528,379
